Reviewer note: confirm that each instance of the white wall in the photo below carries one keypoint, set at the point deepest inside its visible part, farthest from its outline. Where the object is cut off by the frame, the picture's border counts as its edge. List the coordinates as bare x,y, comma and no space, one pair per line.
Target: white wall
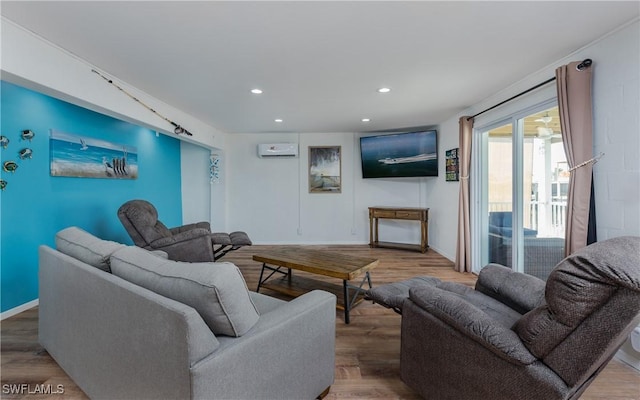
616,113
616,91
270,199
196,190
32,62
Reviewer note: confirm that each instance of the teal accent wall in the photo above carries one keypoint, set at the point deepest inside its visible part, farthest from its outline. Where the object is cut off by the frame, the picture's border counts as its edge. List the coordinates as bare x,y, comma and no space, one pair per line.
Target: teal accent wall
34,205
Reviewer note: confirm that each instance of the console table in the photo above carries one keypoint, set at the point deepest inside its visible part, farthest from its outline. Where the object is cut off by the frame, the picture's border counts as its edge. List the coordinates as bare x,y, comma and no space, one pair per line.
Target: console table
406,213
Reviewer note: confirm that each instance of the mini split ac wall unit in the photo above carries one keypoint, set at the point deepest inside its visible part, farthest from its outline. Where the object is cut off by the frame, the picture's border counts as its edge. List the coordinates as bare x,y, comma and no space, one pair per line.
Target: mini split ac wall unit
267,150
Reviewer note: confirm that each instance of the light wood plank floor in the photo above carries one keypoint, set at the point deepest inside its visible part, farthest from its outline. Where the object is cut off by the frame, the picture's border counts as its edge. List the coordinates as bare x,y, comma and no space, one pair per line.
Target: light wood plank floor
367,350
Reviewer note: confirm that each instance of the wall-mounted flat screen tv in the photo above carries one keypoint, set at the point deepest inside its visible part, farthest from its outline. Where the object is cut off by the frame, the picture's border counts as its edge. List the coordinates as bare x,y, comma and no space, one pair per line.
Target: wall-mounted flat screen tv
405,154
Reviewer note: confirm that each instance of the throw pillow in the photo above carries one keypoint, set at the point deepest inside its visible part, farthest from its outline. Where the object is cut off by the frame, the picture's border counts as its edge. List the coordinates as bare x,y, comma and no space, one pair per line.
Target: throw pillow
216,290
85,247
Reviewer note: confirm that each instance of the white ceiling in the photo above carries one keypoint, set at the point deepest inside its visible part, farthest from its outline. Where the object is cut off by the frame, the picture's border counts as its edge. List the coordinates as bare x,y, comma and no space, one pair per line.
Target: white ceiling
320,63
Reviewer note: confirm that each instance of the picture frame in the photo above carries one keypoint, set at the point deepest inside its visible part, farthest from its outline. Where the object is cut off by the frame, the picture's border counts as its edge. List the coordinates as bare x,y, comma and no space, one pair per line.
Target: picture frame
325,169
87,157
452,167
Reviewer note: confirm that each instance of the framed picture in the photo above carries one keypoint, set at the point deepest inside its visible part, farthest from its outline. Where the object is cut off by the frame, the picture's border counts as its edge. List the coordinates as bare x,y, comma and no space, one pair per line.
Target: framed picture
325,169
86,157
451,157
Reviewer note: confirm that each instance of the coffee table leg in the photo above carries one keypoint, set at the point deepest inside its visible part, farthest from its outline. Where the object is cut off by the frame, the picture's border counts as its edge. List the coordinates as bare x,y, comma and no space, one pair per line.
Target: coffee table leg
260,280
273,271
357,289
347,302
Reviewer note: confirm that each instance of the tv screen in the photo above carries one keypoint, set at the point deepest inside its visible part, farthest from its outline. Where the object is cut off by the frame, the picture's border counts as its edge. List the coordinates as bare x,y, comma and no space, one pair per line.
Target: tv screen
400,155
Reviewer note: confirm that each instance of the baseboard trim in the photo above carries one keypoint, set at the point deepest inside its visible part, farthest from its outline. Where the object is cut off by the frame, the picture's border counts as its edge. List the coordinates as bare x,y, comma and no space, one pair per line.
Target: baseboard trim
631,361
19,309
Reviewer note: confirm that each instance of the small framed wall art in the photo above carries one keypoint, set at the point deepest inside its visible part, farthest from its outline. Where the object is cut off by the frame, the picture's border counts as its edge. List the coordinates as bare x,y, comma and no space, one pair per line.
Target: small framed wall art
325,169
451,157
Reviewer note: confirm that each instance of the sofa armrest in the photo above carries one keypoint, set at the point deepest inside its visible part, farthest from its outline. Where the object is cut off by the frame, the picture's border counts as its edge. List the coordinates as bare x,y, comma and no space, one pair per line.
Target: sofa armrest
180,237
192,246
288,354
198,225
440,361
519,291
473,323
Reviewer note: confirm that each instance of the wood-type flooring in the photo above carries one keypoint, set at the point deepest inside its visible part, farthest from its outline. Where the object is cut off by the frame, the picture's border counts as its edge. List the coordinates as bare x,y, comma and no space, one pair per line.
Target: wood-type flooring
367,350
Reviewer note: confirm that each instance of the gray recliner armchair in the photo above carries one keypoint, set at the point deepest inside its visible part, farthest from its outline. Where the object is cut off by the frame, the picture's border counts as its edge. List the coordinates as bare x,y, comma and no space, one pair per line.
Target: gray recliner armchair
192,242
513,336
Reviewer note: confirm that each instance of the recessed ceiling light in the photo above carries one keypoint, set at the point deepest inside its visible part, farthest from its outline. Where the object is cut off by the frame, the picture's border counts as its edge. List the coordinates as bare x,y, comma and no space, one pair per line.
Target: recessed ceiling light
278,120
384,90
256,91
366,119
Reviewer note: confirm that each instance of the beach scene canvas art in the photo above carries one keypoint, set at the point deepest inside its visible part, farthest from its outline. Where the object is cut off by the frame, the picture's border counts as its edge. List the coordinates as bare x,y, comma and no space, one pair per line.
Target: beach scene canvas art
86,157
325,169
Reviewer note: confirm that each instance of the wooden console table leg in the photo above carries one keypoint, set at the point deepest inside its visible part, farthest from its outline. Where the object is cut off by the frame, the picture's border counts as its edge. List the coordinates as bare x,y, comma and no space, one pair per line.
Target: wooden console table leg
375,232
372,239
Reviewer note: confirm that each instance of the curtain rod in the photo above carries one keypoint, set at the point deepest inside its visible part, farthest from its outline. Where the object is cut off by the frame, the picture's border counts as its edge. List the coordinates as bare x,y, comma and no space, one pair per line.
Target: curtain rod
584,64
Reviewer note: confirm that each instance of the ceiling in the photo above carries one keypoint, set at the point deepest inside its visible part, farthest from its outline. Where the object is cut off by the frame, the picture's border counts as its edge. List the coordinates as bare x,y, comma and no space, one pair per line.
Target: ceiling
320,64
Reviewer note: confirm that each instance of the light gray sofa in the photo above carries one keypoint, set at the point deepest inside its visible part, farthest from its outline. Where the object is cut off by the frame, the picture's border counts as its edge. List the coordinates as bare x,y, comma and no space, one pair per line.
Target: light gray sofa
119,340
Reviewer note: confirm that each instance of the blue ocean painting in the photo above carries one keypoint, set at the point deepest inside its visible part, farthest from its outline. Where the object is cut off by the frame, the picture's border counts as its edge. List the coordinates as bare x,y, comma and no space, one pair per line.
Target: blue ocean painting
85,157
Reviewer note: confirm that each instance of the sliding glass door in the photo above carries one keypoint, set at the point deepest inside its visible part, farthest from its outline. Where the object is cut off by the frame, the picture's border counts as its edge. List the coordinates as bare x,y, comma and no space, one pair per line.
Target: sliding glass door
522,192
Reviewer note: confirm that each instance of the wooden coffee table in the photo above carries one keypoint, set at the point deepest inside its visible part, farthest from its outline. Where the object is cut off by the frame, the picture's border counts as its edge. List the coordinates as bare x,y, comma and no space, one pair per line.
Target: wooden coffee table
283,260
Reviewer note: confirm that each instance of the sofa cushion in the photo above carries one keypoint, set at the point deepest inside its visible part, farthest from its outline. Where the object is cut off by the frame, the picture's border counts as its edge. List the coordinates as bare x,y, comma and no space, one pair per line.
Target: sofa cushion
578,287
85,247
216,290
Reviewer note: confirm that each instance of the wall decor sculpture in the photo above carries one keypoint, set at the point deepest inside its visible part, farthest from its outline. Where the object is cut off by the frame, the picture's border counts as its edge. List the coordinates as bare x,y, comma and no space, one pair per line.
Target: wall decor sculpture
325,169
27,134
25,153
10,166
85,157
214,168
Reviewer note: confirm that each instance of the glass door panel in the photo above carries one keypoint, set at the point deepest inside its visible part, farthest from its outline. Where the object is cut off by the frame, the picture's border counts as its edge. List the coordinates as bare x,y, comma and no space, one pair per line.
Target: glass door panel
499,193
545,184
524,189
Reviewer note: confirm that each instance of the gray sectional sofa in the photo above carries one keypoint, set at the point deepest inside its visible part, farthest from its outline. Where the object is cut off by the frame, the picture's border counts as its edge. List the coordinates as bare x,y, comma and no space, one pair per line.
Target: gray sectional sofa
126,323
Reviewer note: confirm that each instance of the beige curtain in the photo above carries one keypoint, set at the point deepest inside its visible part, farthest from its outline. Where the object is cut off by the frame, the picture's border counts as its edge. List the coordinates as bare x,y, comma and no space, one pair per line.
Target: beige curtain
463,251
574,102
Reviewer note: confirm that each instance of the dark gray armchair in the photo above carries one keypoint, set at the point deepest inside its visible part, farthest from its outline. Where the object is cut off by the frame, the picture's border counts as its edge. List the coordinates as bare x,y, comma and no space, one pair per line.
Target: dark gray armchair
192,242
513,336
